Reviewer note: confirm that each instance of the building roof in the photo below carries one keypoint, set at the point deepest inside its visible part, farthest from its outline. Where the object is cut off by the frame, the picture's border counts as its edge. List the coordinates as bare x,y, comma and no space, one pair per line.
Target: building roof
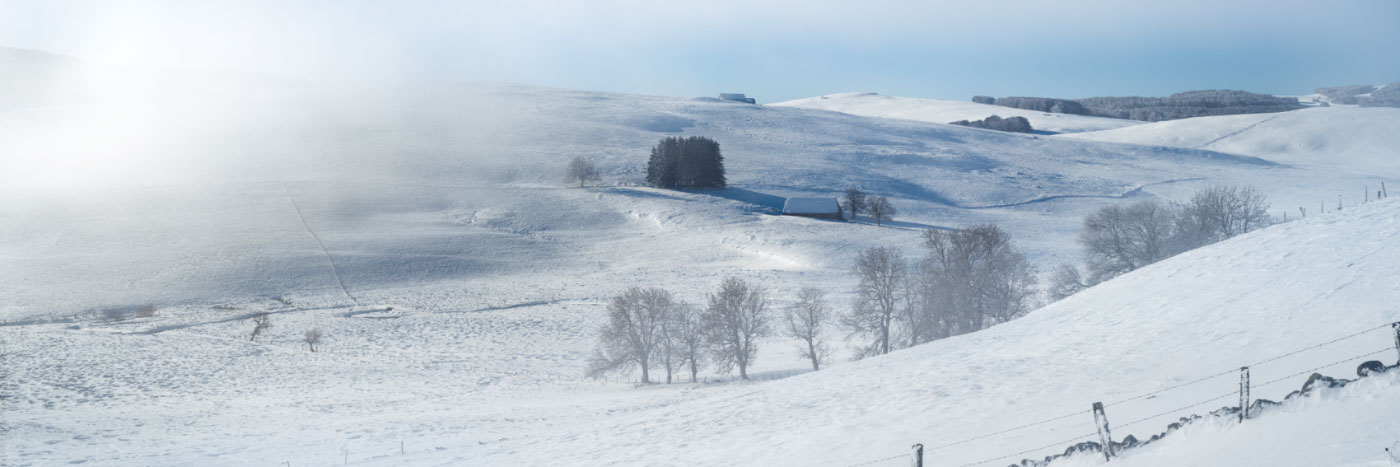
811,206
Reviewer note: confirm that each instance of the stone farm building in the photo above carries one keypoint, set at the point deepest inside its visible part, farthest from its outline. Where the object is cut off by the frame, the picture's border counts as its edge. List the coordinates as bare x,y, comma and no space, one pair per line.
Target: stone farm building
823,208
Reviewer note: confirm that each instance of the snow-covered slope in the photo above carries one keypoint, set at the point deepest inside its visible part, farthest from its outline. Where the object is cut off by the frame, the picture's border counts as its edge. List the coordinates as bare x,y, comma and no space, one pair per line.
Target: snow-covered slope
943,111
1205,312
1347,138
449,197
445,202
497,388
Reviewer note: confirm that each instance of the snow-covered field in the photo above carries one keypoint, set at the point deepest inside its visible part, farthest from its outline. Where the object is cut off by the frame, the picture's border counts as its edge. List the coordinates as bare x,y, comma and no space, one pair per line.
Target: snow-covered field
444,202
1359,140
870,104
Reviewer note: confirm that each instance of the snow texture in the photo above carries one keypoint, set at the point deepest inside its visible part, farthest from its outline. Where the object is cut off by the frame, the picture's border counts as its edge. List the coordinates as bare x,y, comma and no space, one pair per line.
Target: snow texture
461,286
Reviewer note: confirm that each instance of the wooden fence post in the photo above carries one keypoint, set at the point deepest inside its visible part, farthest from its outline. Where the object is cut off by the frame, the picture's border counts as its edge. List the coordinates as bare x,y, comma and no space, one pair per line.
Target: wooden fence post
1244,393
918,455
1396,327
1105,437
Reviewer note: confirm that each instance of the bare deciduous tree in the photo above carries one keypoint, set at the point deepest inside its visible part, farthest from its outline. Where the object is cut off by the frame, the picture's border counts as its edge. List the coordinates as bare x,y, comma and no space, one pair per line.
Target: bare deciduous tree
633,334
878,293
312,337
1065,282
114,314
669,346
736,319
975,278
686,334
582,171
261,322
806,320
854,201
880,209
1117,239
915,325
1216,213
145,311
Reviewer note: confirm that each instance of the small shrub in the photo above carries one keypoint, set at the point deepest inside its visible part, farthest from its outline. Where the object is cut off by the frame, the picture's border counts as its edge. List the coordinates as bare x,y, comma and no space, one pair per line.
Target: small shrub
312,338
114,315
145,311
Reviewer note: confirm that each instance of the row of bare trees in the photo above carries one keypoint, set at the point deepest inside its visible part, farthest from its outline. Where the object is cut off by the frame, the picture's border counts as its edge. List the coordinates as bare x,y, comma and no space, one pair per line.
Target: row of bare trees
854,201
649,328
1117,239
967,280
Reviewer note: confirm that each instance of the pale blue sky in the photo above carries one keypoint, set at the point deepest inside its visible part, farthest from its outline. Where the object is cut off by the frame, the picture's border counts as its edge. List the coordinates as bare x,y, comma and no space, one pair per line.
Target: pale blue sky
770,50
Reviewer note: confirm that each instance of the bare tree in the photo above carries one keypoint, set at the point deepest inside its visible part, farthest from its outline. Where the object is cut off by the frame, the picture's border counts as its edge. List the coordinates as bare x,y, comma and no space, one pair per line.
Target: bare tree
880,209
1065,282
878,293
1219,212
669,346
686,336
854,201
976,279
633,333
1117,239
145,311
807,321
736,319
312,337
262,321
582,171
915,324
114,314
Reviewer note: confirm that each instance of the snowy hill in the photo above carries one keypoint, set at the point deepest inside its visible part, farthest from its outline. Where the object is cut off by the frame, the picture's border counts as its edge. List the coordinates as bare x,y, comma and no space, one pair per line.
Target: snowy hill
1357,139
1211,310
943,111
495,388
413,191
326,205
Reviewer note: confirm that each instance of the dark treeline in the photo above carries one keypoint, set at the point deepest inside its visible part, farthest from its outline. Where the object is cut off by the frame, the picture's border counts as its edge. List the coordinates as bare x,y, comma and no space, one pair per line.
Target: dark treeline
1345,94
1388,96
995,122
693,162
1043,104
1151,109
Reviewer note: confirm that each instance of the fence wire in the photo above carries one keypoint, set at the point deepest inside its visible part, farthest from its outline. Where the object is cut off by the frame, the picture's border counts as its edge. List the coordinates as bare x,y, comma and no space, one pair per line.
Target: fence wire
1176,410
1028,451
877,461
1154,393
1314,370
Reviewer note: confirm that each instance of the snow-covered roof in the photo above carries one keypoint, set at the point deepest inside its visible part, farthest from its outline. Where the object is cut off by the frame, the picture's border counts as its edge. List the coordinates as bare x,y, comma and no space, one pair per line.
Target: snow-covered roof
811,206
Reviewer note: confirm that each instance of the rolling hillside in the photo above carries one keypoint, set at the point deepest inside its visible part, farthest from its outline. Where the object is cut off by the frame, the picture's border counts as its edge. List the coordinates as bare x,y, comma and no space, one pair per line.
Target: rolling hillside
1354,139
869,104
460,284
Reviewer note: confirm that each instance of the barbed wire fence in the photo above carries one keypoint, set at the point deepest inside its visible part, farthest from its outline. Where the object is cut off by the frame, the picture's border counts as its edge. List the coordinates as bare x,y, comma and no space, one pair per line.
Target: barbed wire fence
1106,443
